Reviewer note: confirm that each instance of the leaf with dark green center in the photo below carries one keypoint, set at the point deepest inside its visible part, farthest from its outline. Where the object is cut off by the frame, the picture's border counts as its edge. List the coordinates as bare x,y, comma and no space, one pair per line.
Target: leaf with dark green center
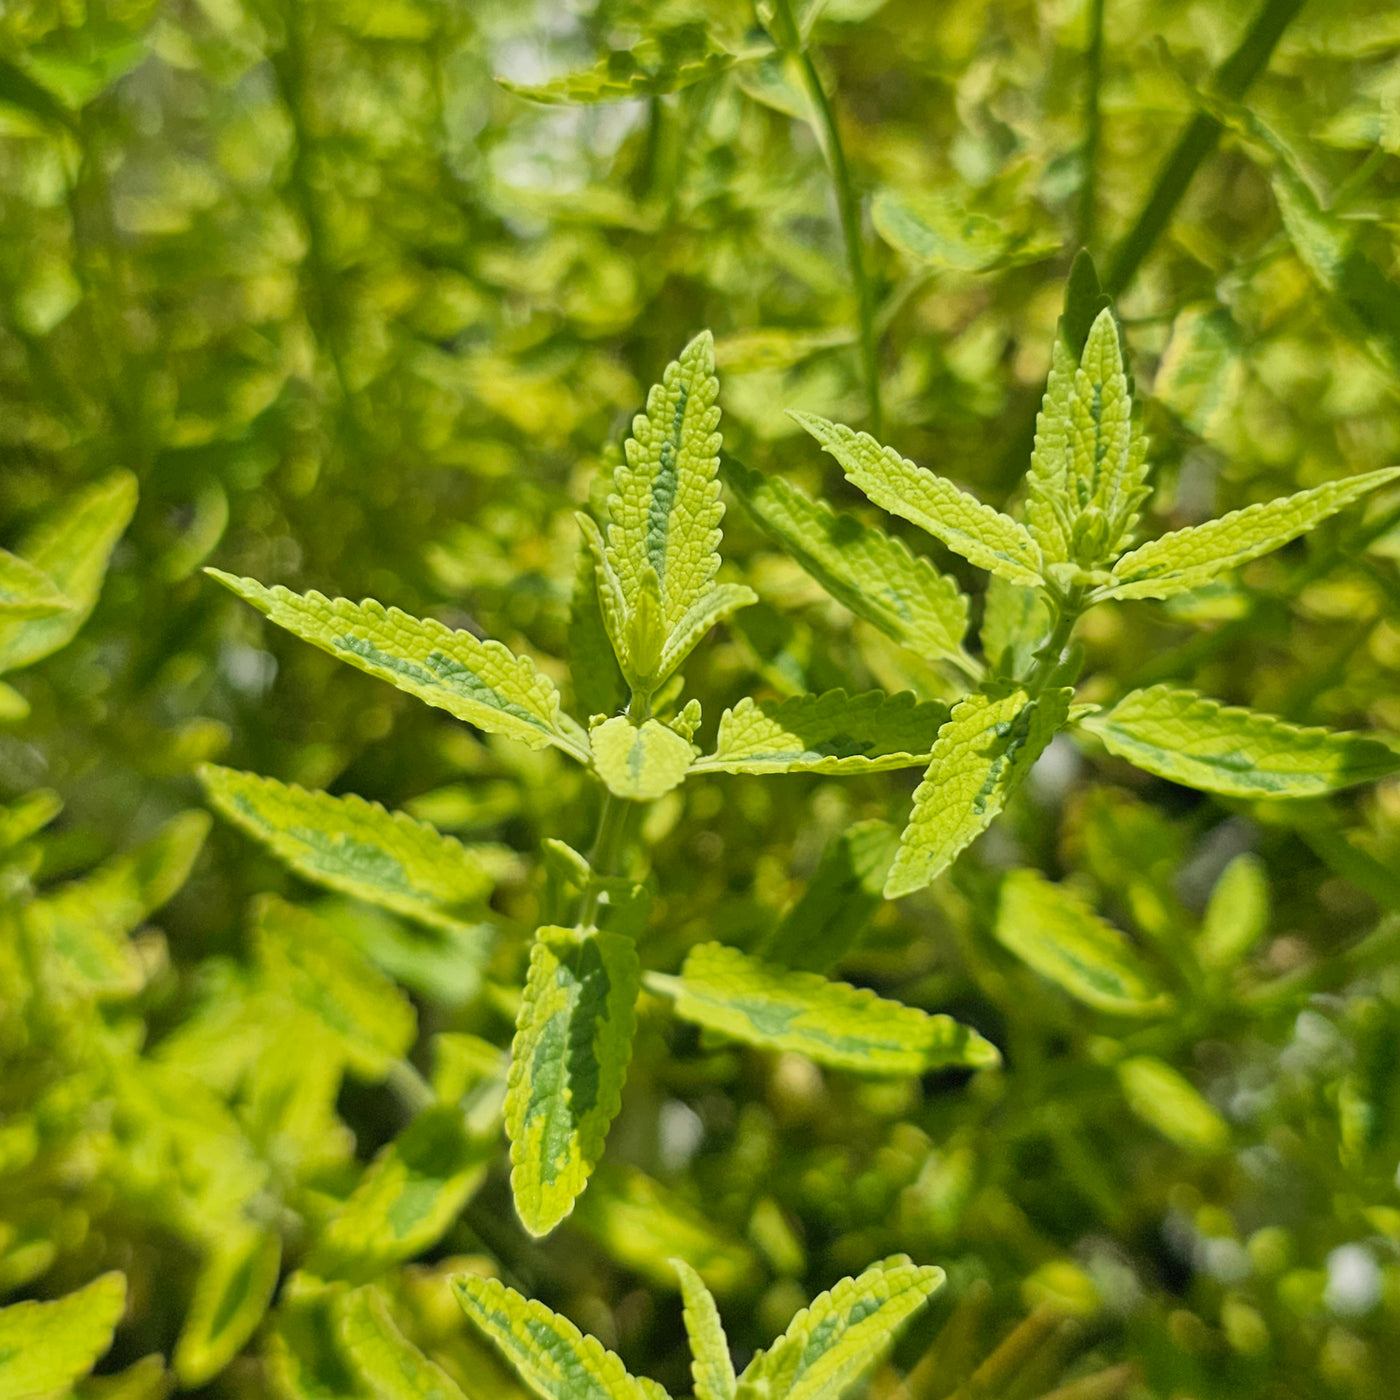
639,762
231,1294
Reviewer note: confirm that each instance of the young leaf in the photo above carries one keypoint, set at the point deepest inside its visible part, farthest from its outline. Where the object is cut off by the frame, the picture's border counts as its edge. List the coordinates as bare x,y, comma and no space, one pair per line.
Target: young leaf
303,957
669,61
639,762
1088,469
1015,622
358,848
27,592
599,687
823,926
716,605
829,733
388,1363
573,1039
304,1357
1237,915
988,538
711,1365
1167,1101
231,1294
1186,559
1054,932
831,1344
979,759
835,1024
408,1198
72,548
665,509
45,1347
546,1351
480,682
611,601
872,573
1200,743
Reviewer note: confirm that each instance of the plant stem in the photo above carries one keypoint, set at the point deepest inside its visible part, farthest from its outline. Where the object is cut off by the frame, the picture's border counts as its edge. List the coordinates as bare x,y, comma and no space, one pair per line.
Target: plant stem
1093,80
847,204
1051,652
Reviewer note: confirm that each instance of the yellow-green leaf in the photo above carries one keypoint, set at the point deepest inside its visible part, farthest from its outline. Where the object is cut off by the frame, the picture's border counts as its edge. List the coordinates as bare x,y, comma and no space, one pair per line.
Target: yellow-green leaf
848,1028
979,759
1166,1100
547,1352
45,1347
231,1294
483,683
1191,739
711,1365
829,733
985,536
27,592
573,1040
1052,930
719,603
1237,914
358,848
1186,559
639,762
388,1363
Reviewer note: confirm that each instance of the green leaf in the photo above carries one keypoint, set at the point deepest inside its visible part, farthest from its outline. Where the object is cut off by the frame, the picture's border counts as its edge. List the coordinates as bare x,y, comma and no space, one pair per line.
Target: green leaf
831,1344
388,1363
482,683
18,89
872,573
981,756
45,1347
1167,1101
546,1351
944,232
711,1365
1085,299
409,1196
305,959
1190,739
573,1039
668,61
1186,559
231,1294
358,848
643,1225
988,538
825,923
719,603
599,686
835,1024
28,815
72,548
1015,623
83,926
1237,914
639,762
1052,930
304,1358
1089,467
665,510
829,733
27,592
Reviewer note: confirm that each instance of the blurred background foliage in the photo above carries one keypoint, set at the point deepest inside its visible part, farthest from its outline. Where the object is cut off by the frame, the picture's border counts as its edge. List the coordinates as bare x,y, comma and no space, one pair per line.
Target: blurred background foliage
362,319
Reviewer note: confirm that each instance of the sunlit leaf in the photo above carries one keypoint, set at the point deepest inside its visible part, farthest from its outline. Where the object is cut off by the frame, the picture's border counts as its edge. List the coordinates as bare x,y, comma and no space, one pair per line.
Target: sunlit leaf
1237,915
639,762
1169,1102
231,1294
388,1363
45,1347
711,1365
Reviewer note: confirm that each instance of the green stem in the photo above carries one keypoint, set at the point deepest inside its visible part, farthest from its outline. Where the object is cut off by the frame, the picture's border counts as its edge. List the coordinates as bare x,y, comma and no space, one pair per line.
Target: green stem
1093,81
847,204
1051,653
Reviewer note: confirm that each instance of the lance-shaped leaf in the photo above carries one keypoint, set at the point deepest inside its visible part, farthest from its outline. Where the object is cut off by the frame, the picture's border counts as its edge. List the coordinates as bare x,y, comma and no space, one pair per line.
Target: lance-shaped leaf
833,1023
979,759
665,510
1186,559
599,687
829,733
303,1356
27,592
304,958
985,536
1088,470
72,548
711,1365
45,1347
231,1295
1015,623
573,1039
639,762
668,61
872,573
388,1363
1237,914
824,925
547,1352
831,1344
408,1197
1169,1102
358,848
1193,740
483,683
1053,931
719,603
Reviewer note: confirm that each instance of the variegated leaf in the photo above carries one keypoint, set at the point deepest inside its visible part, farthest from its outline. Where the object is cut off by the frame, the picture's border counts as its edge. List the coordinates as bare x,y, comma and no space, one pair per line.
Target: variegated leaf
711,1365
639,762
387,1362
